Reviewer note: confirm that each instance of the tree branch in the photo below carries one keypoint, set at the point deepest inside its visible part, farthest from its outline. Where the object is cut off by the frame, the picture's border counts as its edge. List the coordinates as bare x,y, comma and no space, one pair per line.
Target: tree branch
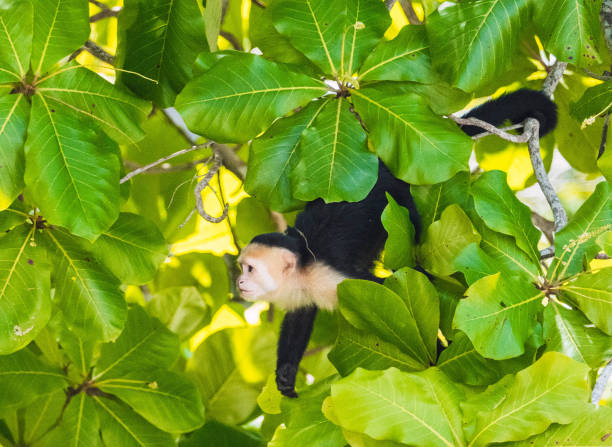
523,138
408,9
98,52
105,13
217,161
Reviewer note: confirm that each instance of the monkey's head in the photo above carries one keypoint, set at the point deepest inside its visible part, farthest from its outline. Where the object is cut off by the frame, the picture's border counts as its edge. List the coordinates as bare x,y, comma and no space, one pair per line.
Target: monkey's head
267,263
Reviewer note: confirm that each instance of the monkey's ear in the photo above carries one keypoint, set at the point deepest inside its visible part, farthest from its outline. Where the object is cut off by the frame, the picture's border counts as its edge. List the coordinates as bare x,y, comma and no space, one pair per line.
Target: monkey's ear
289,262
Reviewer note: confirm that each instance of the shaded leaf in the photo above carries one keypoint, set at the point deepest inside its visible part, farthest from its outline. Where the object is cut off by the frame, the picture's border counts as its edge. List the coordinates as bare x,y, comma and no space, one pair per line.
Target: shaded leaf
499,315
252,219
221,435
334,161
595,101
16,21
408,137
399,246
87,293
25,304
14,114
79,425
239,97
42,415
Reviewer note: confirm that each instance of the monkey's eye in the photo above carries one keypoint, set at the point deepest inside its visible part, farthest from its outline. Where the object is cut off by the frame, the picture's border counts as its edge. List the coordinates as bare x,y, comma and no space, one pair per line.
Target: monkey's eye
250,268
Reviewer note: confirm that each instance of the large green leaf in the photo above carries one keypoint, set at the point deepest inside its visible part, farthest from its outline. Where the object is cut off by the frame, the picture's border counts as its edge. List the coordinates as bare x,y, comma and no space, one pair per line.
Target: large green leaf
595,102
214,433
499,315
122,427
133,249
431,200
14,112
71,169
554,389
10,218
305,423
115,110
24,377
422,301
473,42
570,30
60,27
40,416
408,137
405,58
16,22
367,306
87,293
314,27
590,429
274,155
355,348
503,212
413,408
25,304
144,344
164,398
569,332
445,239
160,40
593,294
241,96
334,161
79,425
399,246
578,240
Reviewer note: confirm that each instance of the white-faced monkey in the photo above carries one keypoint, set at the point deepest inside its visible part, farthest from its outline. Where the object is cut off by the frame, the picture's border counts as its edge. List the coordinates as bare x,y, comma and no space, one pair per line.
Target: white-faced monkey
300,269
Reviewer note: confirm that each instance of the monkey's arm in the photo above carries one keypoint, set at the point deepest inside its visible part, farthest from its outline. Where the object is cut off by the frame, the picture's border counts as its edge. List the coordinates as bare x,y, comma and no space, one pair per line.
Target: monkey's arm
294,336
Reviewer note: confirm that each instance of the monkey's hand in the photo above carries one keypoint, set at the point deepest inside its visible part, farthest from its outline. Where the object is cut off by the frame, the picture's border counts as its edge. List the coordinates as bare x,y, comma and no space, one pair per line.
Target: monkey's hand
285,379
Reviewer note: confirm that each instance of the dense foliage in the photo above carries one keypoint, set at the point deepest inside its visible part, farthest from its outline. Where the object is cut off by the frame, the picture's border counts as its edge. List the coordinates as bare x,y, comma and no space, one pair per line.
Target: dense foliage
119,323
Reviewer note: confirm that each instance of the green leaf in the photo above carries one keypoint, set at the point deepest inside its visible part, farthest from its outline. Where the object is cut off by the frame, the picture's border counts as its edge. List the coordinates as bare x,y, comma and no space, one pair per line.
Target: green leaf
569,332
305,423
213,14
590,429
182,309
499,315
239,97
89,295
473,42
42,415
577,242
79,425
97,101
567,30
462,363
554,389
595,101
445,239
356,348
16,21
413,408
14,114
60,27
214,433
145,343
161,39
334,161
367,306
431,200
399,246
405,58
122,427
165,399
79,350
274,155
422,301
314,27
24,377
408,137
10,218
252,218
593,294
25,304
71,170
133,249
503,212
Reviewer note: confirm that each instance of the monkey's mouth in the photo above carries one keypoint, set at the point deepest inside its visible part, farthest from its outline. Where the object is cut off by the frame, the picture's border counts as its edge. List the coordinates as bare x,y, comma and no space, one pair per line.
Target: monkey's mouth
245,293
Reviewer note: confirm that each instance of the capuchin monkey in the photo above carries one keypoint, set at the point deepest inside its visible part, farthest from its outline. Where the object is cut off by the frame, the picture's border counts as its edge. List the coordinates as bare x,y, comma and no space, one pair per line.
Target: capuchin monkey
300,269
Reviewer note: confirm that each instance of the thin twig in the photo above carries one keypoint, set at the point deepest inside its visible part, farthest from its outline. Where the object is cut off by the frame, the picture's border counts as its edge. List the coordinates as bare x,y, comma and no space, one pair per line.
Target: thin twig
231,39
98,52
554,76
601,383
548,252
164,168
546,226
604,136
389,4
105,14
163,159
505,129
217,161
603,77
523,138
413,19
100,5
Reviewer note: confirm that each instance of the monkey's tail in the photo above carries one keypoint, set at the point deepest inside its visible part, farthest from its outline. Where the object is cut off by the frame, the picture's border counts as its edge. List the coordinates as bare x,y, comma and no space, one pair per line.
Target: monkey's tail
516,107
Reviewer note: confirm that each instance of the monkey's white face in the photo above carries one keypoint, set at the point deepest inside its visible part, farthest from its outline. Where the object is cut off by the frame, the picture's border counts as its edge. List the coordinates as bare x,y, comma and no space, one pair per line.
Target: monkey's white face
264,269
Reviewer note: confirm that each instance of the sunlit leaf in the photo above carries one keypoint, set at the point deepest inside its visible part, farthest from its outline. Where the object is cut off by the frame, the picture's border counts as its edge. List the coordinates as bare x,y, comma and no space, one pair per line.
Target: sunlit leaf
399,246
239,97
16,22
221,435
40,416
25,304
79,425
408,137
14,113
334,161
595,101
